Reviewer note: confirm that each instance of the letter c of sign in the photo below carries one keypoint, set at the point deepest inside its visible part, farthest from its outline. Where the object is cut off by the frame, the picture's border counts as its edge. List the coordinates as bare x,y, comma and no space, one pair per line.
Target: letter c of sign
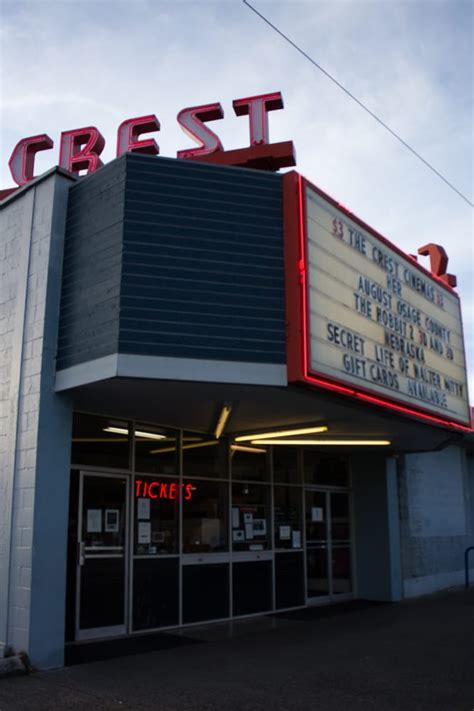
22,159
150,494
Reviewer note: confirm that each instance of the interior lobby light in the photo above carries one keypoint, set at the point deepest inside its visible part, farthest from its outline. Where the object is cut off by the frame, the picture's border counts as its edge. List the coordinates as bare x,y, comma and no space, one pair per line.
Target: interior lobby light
243,448
207,443
281,433
223,417
327,442
138,433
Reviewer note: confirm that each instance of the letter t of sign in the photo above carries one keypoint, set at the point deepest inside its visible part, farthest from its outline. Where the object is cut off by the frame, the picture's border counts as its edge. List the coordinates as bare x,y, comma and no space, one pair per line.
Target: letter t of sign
257,108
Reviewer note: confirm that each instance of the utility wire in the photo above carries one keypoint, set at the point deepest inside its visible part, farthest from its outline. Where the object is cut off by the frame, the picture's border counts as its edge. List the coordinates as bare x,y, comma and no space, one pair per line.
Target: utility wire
354,98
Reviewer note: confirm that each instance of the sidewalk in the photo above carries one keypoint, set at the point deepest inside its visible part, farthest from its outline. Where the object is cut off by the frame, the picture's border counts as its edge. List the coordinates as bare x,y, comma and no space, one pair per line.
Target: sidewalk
413,656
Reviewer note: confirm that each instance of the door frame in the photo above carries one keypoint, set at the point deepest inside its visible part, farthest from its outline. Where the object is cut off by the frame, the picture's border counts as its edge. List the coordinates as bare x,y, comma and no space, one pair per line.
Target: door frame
331,597
113,630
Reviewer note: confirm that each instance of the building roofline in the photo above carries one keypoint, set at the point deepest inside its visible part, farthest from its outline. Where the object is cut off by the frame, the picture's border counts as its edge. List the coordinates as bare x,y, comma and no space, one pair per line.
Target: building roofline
21,190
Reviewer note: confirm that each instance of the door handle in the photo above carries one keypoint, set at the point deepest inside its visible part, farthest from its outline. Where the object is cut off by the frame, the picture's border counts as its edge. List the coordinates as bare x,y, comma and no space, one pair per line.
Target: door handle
80,552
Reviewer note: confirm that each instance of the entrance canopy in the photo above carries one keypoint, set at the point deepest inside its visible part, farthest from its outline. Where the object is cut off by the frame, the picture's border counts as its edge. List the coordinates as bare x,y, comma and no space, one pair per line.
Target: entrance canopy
197,406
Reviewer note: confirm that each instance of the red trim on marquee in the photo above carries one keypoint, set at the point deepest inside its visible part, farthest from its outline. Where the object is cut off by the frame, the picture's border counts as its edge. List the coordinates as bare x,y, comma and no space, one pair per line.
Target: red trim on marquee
294,186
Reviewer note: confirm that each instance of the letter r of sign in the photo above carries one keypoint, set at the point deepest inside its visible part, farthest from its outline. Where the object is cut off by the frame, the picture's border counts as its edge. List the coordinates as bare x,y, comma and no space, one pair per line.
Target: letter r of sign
438,262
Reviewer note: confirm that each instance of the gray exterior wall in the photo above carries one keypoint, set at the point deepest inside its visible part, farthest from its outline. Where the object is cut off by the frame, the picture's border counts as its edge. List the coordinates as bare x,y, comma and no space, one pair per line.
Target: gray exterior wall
376,528
174,259
436,518
35,424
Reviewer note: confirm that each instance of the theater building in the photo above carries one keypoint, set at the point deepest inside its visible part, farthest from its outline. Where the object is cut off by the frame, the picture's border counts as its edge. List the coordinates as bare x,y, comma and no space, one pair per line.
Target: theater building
221,395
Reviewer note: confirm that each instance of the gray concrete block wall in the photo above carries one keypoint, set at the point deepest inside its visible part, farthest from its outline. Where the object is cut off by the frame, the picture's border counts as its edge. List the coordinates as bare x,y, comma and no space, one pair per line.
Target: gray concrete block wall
436,519
31,238
376,527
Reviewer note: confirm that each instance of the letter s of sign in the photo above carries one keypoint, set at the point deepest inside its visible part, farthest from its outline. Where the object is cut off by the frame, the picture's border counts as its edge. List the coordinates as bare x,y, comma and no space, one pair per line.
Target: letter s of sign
192,120
22,160
189,492
80,149
129,132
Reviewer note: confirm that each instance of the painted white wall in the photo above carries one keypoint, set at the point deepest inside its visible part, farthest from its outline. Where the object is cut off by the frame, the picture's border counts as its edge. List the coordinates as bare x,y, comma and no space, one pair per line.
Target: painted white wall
35,425
437,519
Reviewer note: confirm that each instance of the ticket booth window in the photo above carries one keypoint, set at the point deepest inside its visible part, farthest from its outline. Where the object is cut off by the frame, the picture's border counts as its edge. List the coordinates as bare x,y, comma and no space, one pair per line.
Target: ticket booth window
325,470
205,456
288,517
100,442
250,517
205,522
250,465
286,469
156,515
156,450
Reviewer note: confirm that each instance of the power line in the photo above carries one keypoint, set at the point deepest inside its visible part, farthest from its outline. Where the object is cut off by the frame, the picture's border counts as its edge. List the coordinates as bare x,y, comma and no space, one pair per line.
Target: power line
354,98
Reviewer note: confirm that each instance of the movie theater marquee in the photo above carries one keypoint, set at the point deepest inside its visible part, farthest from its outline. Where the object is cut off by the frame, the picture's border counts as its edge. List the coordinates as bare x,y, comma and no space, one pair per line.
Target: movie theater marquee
377,322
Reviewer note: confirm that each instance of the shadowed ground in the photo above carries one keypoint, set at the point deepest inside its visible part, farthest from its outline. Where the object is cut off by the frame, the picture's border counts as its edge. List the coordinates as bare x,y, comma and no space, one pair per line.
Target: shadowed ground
417,655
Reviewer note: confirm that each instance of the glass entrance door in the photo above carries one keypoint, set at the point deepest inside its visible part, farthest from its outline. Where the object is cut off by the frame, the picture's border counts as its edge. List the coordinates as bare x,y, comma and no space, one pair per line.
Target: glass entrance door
328,545
102,556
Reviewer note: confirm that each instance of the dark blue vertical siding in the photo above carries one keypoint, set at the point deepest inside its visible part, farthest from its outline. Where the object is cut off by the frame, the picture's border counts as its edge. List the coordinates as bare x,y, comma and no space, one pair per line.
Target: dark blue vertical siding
173,258
90,299
202,273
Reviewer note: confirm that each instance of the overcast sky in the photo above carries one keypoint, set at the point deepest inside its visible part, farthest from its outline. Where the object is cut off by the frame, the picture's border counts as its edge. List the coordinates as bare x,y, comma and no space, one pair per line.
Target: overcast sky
74,63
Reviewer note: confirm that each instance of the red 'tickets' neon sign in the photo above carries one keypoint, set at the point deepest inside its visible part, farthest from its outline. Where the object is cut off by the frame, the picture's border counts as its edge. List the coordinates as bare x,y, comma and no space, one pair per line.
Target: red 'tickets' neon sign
162,490
80,148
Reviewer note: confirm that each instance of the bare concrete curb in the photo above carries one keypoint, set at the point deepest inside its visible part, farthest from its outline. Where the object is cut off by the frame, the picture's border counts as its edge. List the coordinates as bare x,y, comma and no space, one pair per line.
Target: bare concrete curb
11,666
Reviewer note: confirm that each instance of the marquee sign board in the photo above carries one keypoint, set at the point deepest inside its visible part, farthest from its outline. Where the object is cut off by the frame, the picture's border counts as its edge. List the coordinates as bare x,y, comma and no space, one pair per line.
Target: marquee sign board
372,322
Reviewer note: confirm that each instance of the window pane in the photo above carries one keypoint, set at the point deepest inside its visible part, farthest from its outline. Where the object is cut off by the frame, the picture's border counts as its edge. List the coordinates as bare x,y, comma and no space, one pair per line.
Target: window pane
250,517
341,569
155,450
249,466
325,470
156,515
285,465
340,525
205,522
316,517
203,456
288,517
101,442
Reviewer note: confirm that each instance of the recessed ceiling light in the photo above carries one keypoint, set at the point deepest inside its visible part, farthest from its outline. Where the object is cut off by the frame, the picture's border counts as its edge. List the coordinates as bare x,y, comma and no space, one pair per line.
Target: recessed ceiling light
243,448
138,433
327,442
282,433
